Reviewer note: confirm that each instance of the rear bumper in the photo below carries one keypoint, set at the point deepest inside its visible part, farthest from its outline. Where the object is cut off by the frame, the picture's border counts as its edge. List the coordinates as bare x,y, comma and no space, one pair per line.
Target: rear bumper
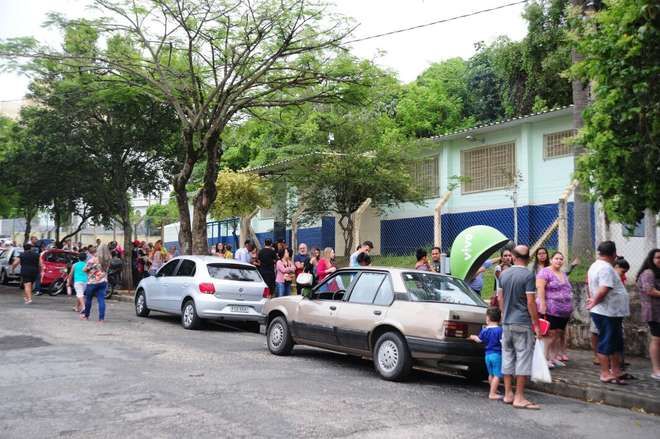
448,351
236,310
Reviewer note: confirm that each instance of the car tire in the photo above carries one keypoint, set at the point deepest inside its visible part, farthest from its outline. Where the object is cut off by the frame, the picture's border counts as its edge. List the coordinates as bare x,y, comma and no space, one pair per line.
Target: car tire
189,317
391,357
279,337
476,374
57,287
4,279
141,309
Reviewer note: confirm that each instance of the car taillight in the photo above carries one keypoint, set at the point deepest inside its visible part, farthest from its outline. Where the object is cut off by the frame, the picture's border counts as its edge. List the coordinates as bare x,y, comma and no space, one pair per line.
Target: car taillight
456,329
266,293
207,288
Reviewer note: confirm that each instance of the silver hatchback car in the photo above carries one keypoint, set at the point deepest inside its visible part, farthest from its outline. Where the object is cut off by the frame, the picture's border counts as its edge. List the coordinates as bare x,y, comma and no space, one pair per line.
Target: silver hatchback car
204,287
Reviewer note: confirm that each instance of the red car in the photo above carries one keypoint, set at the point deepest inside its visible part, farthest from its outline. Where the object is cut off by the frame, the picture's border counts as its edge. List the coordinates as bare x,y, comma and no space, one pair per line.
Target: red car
55,265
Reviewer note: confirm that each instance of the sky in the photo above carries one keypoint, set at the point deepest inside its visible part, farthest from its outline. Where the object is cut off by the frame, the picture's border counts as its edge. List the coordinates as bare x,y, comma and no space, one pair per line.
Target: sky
407,54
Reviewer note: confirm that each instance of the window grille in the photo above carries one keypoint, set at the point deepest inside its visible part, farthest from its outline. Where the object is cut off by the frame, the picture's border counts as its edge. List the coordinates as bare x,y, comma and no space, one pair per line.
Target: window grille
425,176
557,144
488,167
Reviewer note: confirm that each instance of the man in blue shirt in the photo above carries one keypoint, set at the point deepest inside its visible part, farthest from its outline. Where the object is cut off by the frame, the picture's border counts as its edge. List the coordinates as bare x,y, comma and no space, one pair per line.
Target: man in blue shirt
477,284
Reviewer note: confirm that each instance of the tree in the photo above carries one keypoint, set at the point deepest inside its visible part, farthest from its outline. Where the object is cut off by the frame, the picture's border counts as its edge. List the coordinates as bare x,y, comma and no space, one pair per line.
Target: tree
214,62
620,48
239,195
159,215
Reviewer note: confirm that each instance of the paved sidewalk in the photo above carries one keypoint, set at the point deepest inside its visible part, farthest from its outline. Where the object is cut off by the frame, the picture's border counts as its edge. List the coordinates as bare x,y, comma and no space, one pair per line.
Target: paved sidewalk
579,379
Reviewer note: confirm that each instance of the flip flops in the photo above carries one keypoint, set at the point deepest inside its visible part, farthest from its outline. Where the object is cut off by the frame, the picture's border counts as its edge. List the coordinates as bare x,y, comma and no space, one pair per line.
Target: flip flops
616,381
527,406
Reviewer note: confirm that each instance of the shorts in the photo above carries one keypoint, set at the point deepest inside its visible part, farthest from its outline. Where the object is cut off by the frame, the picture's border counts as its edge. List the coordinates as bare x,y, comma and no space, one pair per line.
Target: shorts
592,327
610,338
79,287
517,350
494,364
28,278
655,328
557,322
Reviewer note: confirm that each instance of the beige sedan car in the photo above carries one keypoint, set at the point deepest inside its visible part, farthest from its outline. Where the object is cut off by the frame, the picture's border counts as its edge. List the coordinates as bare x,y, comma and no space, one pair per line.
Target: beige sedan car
400,318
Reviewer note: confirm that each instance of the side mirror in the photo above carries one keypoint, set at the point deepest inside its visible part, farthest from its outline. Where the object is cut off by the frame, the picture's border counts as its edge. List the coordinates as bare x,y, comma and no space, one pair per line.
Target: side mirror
304,280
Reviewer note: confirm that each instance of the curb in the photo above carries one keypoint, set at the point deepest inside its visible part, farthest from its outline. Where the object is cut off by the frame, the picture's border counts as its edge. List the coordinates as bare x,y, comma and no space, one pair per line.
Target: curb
597,395
121,298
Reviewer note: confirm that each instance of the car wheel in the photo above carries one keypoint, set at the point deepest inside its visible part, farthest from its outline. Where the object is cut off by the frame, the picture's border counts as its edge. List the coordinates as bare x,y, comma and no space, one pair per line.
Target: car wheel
56,288
4,279
477,374
391,357
279,337
141,309
189,317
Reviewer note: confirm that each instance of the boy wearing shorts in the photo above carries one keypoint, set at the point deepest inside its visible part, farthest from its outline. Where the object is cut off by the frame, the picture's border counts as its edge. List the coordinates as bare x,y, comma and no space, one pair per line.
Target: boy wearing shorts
491,337
79,279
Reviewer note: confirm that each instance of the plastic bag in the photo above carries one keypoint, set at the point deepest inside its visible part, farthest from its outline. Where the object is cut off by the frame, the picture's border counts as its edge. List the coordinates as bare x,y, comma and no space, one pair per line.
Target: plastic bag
540,370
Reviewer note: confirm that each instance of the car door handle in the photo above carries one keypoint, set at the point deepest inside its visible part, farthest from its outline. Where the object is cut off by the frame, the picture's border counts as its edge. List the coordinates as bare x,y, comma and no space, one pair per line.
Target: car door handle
333,308
377,312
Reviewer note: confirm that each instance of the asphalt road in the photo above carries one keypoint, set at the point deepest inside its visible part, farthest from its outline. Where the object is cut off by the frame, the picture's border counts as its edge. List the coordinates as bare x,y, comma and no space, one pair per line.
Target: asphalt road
134,378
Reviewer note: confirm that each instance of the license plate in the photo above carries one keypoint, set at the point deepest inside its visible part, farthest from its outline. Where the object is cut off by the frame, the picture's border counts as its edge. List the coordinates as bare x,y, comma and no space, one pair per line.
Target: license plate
241,309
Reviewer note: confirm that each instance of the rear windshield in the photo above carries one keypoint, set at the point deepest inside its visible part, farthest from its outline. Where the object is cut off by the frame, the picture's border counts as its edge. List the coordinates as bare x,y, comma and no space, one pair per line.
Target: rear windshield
430,287
62,258
234,272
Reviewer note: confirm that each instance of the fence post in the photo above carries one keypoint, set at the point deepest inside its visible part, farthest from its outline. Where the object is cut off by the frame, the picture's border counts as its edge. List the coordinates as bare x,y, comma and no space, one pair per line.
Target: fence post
357,219
437,220
294,227
562,221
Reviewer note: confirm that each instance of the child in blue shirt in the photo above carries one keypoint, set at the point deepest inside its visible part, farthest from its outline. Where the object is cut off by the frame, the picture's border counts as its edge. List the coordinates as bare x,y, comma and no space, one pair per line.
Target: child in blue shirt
491,336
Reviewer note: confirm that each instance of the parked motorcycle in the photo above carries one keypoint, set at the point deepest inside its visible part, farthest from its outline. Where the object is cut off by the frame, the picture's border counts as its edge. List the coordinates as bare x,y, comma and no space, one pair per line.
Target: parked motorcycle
58,286
114,276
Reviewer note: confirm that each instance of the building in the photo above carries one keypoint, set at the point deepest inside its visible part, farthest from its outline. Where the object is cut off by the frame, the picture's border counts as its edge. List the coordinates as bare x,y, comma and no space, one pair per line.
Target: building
528,159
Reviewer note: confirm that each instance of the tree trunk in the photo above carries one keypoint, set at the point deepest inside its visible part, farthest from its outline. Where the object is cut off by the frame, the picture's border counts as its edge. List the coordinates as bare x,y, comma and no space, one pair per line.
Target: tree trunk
346,224
127,269
205,197
57,219
29,214
582,233
179,183
650,230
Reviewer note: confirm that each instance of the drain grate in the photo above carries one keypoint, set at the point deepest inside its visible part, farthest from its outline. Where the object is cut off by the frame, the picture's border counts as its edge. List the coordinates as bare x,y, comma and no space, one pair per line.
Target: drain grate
12,342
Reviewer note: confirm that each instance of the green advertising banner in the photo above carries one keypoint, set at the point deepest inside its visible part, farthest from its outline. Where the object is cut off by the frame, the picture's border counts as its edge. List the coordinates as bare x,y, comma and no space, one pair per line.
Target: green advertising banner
472,247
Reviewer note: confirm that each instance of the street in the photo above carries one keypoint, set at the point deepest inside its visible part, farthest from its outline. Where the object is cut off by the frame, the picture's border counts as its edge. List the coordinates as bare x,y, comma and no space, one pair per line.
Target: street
134,377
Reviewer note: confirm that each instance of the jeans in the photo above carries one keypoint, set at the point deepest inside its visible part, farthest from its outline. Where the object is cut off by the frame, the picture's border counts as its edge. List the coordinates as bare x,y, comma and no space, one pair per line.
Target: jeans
97,290
283,289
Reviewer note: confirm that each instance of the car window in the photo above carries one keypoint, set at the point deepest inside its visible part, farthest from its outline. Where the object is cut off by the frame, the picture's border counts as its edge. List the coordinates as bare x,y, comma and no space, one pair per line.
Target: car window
187,268
168,269
243,273
366,287
385,294
4,253
430,287
335,283
61,258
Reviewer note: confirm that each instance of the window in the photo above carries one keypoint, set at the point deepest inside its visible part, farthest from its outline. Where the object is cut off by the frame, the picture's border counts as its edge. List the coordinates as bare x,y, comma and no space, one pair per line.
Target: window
241,273
488,167
168,269
557,144
430,287
187,268
385,294
426,177
340,282
366,287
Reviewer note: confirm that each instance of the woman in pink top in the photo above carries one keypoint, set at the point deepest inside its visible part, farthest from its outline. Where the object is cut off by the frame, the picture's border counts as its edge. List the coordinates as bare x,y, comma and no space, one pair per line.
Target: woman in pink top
284,273
555,303
324,266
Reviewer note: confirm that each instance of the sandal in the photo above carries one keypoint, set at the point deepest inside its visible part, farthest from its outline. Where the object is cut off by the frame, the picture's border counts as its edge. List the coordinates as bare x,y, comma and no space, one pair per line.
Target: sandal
528,406
614,381
626,376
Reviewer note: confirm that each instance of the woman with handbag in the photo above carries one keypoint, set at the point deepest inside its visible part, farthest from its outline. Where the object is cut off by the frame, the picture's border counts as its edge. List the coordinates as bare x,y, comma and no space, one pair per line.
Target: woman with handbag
285,272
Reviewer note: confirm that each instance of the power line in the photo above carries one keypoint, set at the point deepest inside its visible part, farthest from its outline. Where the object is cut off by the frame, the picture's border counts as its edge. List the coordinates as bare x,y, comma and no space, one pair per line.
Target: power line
444,20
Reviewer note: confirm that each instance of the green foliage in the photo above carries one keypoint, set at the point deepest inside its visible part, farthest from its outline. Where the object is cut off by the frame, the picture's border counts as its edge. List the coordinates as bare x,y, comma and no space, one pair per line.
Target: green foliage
621,48
159,215
239,194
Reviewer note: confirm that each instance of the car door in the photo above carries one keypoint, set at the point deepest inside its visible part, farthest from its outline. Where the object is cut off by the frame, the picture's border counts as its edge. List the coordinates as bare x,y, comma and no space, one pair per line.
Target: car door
13,254
367,304
158,292
315,316
178,285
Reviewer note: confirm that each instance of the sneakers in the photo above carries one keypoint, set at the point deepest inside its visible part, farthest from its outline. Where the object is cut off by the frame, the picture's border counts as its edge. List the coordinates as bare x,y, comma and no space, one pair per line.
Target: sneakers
655,376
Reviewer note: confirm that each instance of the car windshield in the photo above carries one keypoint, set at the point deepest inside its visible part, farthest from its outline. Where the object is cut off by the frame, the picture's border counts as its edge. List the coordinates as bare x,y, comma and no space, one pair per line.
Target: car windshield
430,287
234,272
62,258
